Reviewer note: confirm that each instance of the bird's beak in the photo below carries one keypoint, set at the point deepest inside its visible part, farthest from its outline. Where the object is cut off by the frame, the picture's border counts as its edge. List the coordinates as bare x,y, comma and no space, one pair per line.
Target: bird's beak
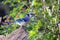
33,14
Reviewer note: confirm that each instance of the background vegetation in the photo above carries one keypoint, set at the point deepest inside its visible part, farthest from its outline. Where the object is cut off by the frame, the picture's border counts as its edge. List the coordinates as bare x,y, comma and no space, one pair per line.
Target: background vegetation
43,26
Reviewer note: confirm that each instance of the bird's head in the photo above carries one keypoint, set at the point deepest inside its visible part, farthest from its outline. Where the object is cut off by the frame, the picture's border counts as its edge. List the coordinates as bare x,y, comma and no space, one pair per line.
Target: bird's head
30,14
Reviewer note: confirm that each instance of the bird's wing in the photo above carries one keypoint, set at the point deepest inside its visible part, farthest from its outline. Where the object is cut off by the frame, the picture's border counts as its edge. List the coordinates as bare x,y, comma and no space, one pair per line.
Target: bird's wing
20,22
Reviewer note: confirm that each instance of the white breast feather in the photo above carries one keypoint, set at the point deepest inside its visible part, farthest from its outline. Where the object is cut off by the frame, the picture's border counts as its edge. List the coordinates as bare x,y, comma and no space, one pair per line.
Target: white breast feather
21,23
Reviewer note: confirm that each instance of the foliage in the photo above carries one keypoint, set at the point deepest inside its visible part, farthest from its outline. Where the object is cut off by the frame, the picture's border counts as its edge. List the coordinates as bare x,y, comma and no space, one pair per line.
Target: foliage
42,26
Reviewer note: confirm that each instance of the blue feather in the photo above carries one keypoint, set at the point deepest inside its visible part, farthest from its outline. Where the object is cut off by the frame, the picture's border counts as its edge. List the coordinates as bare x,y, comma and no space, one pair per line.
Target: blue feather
22,21
26,18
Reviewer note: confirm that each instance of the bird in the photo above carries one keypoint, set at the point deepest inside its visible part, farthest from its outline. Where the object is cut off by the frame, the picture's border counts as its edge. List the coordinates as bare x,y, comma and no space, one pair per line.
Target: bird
23,21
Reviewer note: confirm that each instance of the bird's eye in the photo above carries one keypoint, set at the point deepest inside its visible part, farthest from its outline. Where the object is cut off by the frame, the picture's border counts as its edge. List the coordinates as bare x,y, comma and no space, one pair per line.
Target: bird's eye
28,14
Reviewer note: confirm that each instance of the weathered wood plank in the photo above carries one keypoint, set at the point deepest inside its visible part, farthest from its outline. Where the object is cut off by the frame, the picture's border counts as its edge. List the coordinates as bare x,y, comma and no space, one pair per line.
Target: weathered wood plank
19,34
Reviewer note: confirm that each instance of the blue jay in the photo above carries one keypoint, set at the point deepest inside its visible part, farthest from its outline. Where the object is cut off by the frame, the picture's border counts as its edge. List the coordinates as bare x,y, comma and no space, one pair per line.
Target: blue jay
24,20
